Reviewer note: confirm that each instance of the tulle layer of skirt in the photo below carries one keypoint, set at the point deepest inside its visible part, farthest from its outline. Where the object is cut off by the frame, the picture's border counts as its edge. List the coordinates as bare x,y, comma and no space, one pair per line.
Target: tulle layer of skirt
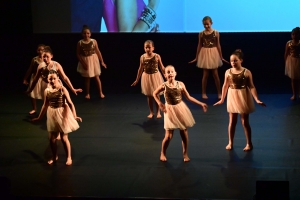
178,116
93,66
292,67
38,90
61,120
150,82
209,58
240,101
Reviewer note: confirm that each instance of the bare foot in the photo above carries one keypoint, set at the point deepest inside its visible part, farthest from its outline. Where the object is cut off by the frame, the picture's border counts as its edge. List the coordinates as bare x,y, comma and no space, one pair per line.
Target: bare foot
228,147
69,161
158,115
32,112
51,161
163,158
204,96
186,159
219,96
150,116
248,147
292,98
102,96
58,137
87,96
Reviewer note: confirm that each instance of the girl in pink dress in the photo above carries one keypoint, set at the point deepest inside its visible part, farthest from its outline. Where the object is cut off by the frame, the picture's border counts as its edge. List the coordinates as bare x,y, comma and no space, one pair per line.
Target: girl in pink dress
43,70
88,54
241,91
176,113
61,120
37,92
292,61
151,77
209,55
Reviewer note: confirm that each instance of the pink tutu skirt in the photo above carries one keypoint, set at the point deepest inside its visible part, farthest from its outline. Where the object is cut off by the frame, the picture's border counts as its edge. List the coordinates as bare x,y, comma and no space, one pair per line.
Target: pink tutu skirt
93,66
61,120
178,116
292,67
150,82
209,58
240,101
38,90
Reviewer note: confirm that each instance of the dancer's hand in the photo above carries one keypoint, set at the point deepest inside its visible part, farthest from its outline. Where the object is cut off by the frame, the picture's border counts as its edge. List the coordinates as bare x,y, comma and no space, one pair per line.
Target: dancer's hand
78,119
193,60
261,103
204,107
162,107
219,102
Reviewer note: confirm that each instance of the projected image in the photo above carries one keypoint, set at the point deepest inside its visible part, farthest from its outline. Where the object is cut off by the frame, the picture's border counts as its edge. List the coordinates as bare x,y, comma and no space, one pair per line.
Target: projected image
165,16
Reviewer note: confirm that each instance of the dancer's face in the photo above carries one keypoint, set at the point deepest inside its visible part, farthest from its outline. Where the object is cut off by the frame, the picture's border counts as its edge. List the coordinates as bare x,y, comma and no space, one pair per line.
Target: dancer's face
170,73
40,50
207,24
86,34
53,80
47,57
149,48
235,61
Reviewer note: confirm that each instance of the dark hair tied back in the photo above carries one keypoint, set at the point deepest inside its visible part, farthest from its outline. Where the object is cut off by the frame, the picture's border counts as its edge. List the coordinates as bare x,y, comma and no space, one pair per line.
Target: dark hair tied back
47,49
84,27
238,53
52,71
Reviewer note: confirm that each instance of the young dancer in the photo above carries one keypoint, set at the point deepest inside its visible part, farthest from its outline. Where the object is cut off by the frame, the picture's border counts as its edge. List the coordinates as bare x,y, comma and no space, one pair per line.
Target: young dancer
239,84
60,118
292,61
209,55
151,77
176,114
37,92
88,55
43,70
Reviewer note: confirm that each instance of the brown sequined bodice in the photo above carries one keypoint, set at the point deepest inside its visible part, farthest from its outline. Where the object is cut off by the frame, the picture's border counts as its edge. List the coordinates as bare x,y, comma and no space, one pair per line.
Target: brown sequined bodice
209,40
237,81
150,65
87,49
294,49
56,99
173,96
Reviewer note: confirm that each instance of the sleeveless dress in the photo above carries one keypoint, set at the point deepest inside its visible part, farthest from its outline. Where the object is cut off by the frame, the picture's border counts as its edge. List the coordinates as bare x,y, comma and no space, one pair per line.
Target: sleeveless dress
44,76
110,14
87,53
38,90
177,114
59,115
209,57
292,63
151,77
239,97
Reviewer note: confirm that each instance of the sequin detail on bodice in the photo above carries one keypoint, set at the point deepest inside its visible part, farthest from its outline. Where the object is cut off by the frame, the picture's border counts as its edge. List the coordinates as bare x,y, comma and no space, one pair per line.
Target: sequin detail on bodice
209,40
150,65
45,71
56,99
87,49
173,96
294,49
36,63
237,81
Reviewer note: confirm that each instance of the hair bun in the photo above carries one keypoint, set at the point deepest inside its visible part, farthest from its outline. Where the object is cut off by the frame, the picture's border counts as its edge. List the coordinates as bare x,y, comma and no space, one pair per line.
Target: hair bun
238,50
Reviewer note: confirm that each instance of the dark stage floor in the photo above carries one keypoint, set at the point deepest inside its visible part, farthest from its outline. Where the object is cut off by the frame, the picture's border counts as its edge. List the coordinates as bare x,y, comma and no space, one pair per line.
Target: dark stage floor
116,151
